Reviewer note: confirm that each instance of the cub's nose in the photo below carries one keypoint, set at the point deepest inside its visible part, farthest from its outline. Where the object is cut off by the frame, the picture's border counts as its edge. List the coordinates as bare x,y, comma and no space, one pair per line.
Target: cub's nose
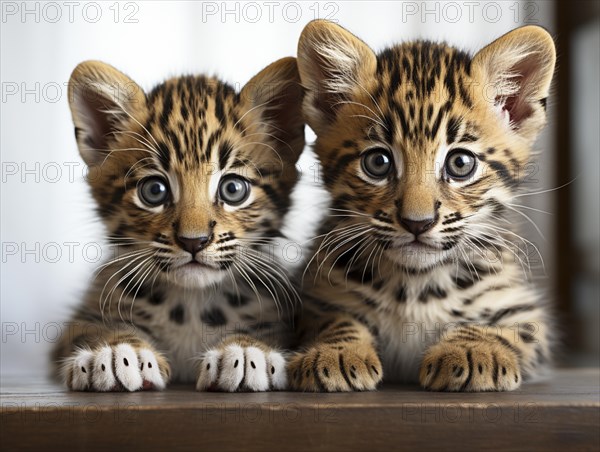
194,244
417,227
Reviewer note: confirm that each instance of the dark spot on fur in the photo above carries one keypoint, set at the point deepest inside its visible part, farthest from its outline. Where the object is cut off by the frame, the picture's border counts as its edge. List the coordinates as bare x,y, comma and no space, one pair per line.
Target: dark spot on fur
155,298
236,300
177,314
213,317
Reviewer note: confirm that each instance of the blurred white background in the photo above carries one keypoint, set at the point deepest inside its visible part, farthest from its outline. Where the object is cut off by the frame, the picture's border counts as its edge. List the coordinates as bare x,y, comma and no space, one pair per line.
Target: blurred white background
48,226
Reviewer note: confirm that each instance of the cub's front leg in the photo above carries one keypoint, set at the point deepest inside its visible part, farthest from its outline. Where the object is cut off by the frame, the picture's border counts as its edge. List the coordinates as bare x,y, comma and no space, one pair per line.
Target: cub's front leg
100,358
242,363
341,358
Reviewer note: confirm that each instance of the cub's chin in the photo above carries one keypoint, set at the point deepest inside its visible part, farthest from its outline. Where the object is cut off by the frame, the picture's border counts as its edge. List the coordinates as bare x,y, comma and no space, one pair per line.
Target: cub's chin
195,276
419,256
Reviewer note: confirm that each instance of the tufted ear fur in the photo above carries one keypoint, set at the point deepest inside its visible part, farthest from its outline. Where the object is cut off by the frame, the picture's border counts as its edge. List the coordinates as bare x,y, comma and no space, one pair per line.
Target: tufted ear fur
102,99
519,67
275,95
332,64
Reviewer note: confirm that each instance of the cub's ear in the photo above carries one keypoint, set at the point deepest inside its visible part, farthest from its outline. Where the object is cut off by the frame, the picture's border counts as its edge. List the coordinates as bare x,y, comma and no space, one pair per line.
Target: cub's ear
273,99
332,64
102,100
518,68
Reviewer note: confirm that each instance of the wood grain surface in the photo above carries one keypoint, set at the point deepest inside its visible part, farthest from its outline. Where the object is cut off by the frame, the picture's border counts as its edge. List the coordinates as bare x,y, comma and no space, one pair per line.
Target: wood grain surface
562,412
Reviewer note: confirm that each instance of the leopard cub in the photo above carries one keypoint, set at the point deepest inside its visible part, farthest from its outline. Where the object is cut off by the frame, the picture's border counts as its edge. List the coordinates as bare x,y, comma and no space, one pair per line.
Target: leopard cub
192,181
417,275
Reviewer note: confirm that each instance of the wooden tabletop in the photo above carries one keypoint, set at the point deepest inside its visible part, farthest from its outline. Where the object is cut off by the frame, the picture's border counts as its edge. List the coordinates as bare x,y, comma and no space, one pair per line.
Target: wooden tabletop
562,412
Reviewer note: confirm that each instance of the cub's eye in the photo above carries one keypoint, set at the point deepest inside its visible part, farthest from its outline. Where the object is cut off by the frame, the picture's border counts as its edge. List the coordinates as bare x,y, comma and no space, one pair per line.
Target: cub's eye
460,164
377,163
234,190
154,191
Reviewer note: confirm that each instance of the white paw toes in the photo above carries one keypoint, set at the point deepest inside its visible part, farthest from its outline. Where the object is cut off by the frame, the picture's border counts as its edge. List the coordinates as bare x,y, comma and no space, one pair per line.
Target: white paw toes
127,368
114,368
232,368
236,368
277,371
81,370
209,370
103,378
256,370
150,371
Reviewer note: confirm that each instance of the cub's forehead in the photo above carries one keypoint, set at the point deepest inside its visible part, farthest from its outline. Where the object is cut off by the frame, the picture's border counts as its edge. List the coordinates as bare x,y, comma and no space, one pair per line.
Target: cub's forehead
192,94
191,123
424,71
422,91
198,125
412,59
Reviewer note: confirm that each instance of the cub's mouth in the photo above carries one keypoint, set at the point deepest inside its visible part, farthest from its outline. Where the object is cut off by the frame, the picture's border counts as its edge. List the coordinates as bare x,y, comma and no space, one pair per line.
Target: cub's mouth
198,265
195,274
419,245
415,245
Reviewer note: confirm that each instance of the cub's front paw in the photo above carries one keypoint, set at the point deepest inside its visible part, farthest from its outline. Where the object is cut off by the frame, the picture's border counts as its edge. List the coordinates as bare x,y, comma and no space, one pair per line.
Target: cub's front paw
236,367
323,368
470,366
121,367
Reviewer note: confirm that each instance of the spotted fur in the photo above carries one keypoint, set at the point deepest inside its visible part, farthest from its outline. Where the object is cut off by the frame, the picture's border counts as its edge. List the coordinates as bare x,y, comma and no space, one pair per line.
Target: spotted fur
191,280
417,269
